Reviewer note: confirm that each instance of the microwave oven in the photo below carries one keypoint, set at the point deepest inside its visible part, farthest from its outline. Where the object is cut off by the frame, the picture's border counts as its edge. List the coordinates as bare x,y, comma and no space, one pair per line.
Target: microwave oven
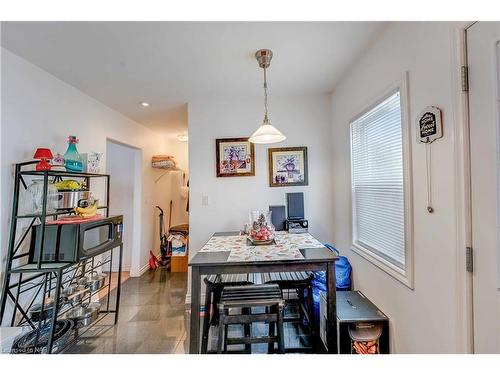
74,242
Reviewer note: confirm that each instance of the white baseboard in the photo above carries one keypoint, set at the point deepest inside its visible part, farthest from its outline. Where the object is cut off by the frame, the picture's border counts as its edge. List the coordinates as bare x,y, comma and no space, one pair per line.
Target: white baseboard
143,269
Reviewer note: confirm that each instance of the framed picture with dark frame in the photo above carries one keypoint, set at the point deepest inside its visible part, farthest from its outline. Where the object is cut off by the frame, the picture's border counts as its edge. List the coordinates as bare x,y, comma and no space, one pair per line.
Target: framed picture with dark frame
288,166
235,157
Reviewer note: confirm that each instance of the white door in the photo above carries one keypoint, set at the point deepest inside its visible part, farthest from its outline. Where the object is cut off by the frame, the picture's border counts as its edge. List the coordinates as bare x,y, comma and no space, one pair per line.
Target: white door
484,105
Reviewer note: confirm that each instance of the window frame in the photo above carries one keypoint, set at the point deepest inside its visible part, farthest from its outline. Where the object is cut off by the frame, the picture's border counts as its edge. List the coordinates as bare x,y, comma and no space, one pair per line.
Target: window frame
404,275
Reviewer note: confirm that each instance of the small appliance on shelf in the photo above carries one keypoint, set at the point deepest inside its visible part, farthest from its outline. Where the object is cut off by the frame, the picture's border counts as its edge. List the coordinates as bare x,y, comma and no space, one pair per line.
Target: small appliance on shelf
295,207
71,193
73,242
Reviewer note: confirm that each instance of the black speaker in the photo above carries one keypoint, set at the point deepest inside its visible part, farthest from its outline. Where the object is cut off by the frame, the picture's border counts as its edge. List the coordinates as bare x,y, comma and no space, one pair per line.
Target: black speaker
295,205
278,217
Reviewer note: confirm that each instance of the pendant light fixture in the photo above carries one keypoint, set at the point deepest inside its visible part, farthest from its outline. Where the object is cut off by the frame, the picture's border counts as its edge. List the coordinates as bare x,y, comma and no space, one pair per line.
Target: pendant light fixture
266,133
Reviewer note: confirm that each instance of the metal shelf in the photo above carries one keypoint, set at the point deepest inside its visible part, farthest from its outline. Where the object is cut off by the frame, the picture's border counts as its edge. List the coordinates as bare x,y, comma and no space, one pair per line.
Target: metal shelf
56,266
45,267
54,213
27,283
62,174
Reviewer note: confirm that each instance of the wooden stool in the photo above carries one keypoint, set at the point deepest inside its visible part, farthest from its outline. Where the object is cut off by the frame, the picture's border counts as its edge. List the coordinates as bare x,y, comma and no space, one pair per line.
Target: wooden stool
215,284
246,297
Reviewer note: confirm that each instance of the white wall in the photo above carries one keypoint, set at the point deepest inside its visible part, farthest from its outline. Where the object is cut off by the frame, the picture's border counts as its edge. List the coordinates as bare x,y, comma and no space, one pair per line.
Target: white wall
38,110
304,120
426,319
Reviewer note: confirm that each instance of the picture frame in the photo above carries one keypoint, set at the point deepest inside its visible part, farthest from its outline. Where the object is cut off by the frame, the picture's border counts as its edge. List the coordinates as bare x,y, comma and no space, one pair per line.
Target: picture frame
235,157
288,166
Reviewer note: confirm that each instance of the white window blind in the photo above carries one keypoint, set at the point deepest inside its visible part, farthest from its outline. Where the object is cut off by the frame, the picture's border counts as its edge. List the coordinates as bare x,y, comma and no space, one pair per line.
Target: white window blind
378,182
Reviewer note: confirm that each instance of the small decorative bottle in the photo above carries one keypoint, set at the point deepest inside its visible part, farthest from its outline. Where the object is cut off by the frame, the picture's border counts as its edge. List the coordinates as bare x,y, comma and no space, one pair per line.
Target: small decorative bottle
72,159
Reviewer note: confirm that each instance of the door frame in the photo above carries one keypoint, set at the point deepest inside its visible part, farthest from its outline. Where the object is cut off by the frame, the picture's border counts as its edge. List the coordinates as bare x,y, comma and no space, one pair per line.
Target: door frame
469,215
465,343
135,263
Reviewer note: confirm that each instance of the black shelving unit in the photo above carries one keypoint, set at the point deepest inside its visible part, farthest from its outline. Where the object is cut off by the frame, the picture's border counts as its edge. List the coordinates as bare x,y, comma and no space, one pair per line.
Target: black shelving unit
25,283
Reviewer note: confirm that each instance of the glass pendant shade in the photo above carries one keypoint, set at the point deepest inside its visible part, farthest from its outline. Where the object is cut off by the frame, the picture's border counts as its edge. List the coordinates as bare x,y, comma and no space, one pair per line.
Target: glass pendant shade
266,133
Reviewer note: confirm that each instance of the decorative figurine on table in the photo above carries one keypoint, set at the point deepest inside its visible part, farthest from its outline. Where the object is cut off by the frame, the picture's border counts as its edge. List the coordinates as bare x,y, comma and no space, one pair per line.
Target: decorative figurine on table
43,154
72,159
261,228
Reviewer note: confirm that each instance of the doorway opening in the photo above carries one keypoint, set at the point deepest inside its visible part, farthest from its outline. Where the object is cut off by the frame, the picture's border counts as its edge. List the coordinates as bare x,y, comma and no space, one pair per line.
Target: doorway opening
123,163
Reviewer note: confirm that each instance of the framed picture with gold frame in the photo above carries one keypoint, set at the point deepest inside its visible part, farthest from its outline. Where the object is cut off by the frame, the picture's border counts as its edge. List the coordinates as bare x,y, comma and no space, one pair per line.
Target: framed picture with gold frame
235,157
288,166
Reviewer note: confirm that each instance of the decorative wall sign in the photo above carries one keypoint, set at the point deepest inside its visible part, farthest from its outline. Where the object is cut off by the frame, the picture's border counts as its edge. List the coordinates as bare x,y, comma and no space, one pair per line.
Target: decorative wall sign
235,157
429,128
429,125
287,166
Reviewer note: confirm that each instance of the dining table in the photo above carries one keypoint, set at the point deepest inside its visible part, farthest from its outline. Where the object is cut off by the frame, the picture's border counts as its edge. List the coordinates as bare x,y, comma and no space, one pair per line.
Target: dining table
233,253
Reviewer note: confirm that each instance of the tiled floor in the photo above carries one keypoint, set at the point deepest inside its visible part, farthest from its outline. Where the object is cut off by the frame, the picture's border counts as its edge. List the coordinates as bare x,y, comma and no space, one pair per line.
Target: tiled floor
152,318
114,282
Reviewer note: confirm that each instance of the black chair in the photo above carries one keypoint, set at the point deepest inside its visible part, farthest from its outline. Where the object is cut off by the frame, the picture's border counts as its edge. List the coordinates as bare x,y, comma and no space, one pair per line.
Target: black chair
246,298
215,284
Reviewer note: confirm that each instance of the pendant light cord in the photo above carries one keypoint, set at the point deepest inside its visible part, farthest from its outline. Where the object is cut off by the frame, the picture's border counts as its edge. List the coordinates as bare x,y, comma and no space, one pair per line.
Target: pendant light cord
265,94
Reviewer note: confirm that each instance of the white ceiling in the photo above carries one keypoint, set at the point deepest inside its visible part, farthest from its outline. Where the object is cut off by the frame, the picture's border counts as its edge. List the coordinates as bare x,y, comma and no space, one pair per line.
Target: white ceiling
169,63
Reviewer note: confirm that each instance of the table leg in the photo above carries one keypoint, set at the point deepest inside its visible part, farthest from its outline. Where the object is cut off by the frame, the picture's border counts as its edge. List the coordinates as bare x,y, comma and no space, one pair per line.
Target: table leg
331,300
194,332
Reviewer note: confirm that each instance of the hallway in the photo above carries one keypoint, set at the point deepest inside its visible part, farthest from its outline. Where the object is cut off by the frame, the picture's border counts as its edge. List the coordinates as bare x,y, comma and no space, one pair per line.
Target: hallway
152,318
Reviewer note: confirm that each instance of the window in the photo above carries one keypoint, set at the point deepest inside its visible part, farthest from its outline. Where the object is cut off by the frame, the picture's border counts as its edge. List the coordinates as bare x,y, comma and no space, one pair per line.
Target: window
379,197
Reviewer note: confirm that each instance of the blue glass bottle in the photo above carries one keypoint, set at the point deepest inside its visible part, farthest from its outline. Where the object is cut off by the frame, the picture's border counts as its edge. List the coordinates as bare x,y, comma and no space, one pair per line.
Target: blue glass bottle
72,159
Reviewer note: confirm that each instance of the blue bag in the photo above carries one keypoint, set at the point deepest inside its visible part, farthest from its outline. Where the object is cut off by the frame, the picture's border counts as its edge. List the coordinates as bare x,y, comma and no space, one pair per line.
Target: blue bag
343,271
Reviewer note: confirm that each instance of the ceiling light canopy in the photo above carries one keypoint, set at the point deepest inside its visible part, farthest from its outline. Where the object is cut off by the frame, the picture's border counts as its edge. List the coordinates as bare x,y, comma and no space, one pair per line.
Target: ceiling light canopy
144,104
266,133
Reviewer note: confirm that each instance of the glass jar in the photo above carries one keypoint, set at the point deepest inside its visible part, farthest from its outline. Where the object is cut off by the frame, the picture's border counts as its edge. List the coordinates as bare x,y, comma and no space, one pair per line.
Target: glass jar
72,159
32,201
261,227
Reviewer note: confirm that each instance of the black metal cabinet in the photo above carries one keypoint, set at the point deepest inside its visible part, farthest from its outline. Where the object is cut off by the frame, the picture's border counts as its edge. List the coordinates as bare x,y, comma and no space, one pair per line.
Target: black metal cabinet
353,307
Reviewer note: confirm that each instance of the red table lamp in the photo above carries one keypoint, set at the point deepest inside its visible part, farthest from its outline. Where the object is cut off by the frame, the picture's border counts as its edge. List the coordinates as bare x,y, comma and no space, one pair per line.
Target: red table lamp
43,154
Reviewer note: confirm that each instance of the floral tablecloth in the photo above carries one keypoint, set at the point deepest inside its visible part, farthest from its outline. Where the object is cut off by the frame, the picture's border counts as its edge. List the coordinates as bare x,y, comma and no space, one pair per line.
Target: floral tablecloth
262,253
286,248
